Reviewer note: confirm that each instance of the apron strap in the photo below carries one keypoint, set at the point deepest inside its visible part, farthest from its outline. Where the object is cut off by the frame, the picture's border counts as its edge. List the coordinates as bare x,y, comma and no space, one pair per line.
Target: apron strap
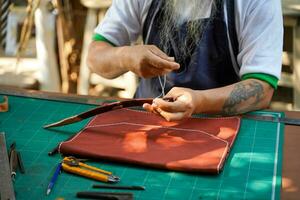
233,41
153,10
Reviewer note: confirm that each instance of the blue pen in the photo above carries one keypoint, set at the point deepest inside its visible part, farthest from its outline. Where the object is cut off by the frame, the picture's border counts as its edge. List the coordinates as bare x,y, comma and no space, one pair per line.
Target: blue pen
54,177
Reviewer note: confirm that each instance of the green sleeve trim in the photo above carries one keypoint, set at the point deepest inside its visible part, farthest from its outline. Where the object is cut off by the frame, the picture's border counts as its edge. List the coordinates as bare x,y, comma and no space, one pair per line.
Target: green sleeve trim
98,37
272,80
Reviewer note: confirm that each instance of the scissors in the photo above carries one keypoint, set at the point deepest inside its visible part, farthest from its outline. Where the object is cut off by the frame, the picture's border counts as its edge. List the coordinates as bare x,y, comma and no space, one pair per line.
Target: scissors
73,165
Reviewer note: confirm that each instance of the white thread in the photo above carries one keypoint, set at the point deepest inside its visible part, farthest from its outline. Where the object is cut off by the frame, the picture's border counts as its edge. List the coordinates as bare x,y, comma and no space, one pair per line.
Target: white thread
90,122
162,86
159,126
193,117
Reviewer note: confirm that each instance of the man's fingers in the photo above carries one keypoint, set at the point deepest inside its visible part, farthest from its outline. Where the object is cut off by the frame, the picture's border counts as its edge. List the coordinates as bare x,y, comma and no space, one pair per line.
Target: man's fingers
155,50
176,106
167,115
171,116
161,63
150,71
150,108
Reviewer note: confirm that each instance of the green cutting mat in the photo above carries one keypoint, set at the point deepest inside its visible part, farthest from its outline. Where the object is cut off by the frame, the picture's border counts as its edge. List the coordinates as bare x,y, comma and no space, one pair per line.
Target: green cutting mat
252,171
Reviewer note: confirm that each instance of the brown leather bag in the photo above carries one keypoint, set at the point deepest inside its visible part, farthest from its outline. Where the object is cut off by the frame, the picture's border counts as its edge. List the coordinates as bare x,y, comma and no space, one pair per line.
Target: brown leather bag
138,137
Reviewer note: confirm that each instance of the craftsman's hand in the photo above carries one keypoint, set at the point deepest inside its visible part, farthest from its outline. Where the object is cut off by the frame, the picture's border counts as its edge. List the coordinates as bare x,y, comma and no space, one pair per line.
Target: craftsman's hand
148,61
183,106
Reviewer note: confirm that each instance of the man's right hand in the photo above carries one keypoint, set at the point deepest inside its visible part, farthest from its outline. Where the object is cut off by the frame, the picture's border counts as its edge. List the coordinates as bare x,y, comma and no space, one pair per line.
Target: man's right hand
147,61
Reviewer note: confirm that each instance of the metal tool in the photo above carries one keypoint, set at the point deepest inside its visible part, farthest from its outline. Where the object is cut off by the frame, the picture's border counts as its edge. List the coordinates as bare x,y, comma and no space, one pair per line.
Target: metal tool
13,164
20,162
6,186
55,149
119,187
73,165
15,161
105,195
270,118
102,109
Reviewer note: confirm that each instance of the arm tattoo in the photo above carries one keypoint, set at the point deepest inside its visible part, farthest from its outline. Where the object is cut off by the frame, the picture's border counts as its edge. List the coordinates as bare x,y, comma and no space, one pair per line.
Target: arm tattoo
243,92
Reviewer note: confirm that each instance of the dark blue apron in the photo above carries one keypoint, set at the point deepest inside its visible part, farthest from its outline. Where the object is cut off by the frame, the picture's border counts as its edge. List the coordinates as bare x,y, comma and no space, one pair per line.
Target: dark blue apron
210,64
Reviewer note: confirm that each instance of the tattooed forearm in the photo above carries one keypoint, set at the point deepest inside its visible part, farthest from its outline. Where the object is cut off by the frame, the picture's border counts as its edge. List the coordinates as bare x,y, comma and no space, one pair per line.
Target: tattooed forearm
244,97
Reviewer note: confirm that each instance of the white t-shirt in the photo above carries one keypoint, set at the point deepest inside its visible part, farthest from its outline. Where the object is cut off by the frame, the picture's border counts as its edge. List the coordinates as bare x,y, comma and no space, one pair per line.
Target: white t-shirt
259,27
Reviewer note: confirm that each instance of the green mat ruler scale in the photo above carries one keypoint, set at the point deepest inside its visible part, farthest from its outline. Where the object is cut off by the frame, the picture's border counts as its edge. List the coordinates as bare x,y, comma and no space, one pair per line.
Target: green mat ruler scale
252,170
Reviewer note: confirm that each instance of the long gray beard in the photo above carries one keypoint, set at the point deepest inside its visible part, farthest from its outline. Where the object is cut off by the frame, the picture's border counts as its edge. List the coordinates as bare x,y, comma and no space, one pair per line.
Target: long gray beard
176,12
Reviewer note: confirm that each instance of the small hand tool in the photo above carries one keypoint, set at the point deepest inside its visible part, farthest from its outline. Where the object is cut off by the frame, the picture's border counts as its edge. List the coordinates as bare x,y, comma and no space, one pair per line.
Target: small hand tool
105,195
55,149
20,162
120,187
13,164
73,165
15,161
102,109
54,177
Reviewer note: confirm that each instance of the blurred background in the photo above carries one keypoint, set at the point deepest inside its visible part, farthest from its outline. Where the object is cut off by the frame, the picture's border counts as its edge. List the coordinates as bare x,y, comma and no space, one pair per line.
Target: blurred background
43,46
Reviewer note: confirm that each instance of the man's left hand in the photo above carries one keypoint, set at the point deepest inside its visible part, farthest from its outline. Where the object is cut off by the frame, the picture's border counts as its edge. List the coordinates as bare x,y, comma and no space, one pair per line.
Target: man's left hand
183,106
